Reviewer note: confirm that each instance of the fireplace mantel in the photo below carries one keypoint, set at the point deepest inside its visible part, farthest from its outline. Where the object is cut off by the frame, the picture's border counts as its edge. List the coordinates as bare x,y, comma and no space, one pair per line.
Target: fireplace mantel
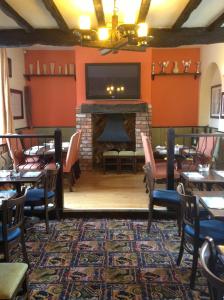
113,108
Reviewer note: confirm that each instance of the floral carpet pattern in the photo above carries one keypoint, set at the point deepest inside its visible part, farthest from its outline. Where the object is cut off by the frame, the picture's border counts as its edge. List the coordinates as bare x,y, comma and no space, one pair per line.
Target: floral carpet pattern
103,259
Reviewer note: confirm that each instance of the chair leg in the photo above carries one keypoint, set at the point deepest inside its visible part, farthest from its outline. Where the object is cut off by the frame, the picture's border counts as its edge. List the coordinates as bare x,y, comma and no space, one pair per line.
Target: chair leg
47,220
181,251
179,221
6,252
25,287
150,216
194,267
25,256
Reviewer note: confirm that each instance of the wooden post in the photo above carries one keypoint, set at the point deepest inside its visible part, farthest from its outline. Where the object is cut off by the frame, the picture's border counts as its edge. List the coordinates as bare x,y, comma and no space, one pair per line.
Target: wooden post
58,159
170,158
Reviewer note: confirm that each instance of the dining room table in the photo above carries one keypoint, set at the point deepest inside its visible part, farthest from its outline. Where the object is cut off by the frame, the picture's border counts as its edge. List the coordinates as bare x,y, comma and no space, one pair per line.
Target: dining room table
213,202
203,178
19,178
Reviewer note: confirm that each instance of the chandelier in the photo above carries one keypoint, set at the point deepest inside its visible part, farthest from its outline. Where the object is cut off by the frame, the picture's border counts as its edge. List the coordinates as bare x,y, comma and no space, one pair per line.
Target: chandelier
116,36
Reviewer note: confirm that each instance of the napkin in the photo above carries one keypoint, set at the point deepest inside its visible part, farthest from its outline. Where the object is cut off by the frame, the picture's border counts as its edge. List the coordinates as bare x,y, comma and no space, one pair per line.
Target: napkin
193,175
214,202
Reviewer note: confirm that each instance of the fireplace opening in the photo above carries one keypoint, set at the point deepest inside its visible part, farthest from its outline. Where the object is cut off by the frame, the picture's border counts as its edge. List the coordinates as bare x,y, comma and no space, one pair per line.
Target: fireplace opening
112,132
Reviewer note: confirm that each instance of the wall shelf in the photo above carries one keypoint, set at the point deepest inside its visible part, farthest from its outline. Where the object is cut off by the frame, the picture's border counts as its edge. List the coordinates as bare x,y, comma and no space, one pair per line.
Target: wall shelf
29,76
195,75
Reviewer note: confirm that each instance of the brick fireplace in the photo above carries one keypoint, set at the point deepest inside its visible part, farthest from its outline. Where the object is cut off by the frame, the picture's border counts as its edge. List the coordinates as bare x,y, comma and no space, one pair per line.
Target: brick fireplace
87,113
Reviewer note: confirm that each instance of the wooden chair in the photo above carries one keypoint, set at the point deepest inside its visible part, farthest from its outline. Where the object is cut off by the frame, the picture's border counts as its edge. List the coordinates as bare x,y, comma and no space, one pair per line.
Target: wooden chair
12,227
19,160
76,166
159,169
194,231
13,277
71,158
202,154
28,142
161,197
210,263
43,200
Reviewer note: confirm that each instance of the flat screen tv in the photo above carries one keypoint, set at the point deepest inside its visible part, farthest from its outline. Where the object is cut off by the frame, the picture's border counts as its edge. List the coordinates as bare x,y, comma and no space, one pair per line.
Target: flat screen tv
113,81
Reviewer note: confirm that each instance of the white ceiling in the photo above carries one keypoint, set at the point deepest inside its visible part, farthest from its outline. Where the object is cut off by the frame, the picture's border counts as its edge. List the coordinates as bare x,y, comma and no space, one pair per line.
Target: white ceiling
162,13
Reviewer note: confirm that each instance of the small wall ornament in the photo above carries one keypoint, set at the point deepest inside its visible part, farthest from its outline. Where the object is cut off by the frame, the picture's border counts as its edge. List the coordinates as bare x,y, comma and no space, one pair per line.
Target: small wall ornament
163,66
186,64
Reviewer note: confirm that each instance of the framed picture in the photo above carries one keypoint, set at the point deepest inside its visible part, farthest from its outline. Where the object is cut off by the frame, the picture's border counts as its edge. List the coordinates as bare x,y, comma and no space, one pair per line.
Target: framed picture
215,101
10,67
17,104
222,105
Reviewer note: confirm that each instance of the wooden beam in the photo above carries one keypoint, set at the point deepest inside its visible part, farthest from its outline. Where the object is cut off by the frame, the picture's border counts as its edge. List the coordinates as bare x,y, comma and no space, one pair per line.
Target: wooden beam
162,38
10,12
52,8
99,13
192,5
217,23
186,36
144,9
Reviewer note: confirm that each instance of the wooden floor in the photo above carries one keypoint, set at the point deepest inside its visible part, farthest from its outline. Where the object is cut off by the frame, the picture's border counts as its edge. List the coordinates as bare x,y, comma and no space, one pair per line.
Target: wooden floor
96,191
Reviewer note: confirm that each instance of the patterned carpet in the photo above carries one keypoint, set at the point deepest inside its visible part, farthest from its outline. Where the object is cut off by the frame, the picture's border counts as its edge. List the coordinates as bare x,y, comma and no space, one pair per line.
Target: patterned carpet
109,259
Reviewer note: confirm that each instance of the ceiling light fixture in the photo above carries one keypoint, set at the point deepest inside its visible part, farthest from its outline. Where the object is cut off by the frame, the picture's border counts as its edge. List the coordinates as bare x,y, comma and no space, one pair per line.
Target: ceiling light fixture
118,35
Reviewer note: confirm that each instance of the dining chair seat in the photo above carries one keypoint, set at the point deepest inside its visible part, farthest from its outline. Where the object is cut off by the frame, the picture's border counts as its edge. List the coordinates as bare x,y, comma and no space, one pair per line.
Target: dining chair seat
12,277
165,195
37,194
214,228
12,234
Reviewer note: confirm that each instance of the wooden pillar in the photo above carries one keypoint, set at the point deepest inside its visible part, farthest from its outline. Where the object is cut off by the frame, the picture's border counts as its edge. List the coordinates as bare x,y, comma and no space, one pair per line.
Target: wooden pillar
58,159
170,158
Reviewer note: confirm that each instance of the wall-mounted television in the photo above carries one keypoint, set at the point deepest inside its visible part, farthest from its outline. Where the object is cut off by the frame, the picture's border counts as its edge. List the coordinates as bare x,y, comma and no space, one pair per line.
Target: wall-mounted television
113,81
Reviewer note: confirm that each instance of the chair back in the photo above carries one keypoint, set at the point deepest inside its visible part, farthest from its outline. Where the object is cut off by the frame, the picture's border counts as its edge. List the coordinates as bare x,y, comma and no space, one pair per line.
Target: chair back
50,180
15,150
12,215
190,212
149,156
72,152
206,145
79,142
209,262
28,142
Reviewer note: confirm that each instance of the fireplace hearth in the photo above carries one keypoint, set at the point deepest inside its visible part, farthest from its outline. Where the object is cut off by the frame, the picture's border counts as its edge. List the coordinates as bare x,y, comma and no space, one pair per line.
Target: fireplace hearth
92,119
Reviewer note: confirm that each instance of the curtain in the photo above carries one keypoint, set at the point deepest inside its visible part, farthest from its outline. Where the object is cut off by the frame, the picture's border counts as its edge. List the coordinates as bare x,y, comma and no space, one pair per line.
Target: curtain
28,104
6,117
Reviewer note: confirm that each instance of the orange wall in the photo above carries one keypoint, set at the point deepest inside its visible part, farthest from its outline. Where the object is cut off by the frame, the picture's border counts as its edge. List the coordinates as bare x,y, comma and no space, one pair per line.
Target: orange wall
175,98
92,55
53,98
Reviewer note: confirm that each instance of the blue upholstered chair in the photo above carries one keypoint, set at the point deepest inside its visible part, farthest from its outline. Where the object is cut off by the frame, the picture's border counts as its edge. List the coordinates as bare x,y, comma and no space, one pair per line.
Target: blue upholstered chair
161,197
41,200
195,230
12,226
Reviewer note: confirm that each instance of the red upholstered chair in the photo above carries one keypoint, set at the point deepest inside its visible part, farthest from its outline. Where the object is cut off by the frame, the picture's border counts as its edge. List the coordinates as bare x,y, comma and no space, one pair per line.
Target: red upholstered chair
76,167
159,169
71,158
201,155
19,160
28,142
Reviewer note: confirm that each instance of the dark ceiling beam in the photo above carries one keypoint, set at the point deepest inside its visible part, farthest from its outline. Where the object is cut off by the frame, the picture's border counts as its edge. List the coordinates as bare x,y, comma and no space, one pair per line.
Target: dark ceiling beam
162,38
217,23
10,12
192,5
99,13
52,8
143,11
